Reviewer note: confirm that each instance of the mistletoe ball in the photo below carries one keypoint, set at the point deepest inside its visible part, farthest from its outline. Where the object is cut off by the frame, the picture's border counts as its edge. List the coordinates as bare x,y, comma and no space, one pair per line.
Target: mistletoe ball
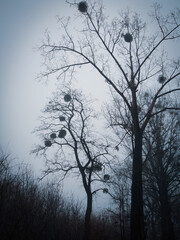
82,7
53,135
161,79
67,98
62,133
128,37
62,118
48,143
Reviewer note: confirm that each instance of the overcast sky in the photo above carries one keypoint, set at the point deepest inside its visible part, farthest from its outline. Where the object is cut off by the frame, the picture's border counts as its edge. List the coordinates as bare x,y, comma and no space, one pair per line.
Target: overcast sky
22,27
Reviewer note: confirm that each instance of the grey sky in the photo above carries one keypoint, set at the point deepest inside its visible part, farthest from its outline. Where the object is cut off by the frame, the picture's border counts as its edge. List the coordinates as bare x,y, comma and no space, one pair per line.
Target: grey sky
22,26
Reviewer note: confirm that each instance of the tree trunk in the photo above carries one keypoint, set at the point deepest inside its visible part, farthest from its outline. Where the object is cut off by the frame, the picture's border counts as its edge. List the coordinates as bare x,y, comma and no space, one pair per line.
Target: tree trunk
154,237
167,231
87,223
137,214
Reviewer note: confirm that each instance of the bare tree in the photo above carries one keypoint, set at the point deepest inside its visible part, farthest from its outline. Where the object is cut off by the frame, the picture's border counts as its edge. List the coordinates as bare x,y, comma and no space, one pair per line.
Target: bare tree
120,192
30,210
67,130
161,168
127,54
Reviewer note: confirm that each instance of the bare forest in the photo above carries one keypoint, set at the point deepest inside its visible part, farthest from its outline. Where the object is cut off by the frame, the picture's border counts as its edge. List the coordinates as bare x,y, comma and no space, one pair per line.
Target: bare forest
132,155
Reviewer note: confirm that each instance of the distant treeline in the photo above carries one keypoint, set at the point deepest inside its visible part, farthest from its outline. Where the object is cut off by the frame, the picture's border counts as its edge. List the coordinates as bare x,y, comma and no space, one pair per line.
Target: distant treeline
30,211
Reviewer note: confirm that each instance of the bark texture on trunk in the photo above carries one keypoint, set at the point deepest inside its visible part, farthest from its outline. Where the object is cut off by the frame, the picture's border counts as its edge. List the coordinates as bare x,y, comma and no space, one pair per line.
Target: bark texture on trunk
167,231
87,222
137,214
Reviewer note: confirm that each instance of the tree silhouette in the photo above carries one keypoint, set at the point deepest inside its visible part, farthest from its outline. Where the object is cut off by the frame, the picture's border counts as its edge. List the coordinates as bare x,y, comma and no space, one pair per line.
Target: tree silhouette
30,210
71,145
161,168
120,189
130,58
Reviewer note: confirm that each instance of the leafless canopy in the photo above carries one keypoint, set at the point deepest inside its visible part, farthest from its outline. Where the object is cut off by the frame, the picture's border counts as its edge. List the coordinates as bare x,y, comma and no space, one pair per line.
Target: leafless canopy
95,40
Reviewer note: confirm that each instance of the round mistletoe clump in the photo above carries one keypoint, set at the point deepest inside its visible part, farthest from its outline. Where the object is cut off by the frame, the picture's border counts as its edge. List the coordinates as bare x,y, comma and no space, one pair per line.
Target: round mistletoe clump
62,119
161,79
67,98
82,7
47,143
105,190
97,167
128,37
62,133
53,135
106,177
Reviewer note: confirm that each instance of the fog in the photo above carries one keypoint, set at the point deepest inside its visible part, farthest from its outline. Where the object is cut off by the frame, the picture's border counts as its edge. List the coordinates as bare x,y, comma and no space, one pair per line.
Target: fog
22,95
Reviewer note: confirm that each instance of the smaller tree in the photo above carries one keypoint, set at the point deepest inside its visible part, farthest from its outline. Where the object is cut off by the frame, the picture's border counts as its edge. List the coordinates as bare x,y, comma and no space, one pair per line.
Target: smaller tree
68,136
120,192
161,169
